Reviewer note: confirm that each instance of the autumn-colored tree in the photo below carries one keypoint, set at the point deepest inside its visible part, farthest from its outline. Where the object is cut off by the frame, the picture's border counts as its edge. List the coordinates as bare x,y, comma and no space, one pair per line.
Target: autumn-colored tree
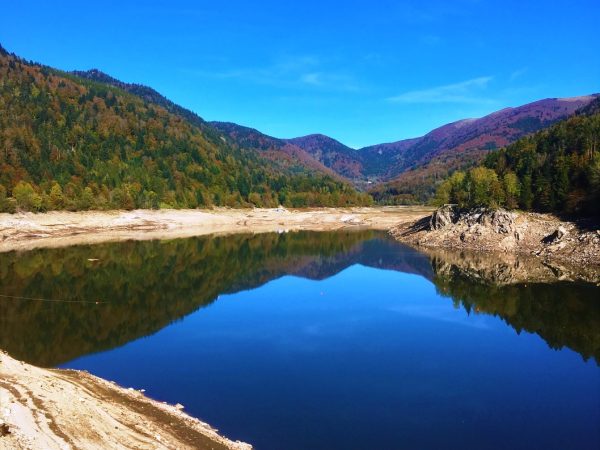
104,147
26,197
512,189
56,200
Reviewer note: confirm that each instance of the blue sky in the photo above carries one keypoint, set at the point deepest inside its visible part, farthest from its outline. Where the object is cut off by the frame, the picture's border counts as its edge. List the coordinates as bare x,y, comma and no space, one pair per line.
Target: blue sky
362,72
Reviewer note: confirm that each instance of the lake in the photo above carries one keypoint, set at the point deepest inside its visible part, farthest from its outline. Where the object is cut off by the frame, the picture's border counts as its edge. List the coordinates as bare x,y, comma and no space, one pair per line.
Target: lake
336,340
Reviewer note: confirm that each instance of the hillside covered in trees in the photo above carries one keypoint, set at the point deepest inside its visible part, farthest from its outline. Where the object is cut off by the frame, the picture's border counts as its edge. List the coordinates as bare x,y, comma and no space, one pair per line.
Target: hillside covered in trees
555,170
72,143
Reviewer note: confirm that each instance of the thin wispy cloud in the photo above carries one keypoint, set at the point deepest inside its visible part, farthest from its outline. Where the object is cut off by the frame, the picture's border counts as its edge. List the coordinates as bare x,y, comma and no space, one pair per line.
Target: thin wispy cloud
312,78
468,91
518,73
299,72
423,13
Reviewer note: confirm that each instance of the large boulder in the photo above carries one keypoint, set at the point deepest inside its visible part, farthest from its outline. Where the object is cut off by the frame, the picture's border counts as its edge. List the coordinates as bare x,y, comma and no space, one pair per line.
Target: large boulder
442,217
497,220
502,221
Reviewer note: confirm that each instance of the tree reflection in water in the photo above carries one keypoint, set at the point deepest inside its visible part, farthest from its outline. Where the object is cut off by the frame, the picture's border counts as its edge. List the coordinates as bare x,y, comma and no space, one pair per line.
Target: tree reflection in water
103,296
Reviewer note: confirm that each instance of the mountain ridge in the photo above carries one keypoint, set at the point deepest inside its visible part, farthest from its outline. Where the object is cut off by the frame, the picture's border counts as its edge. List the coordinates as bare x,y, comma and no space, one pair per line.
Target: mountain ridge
403,171
443,154
430,157
78,143
386,166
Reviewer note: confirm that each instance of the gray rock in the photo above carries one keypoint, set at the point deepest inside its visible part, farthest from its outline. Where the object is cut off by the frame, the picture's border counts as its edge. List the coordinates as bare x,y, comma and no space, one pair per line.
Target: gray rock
502,221
443,217
498,220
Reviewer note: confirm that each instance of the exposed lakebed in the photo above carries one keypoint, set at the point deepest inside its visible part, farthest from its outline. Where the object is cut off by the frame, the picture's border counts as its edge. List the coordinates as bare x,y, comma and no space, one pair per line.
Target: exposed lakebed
318,340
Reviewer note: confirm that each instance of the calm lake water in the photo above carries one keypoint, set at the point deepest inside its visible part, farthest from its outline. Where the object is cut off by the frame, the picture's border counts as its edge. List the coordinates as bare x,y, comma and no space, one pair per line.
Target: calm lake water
344,340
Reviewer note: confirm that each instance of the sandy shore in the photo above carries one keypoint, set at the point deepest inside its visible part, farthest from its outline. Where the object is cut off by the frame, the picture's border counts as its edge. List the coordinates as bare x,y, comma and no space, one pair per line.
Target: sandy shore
28,230
68,409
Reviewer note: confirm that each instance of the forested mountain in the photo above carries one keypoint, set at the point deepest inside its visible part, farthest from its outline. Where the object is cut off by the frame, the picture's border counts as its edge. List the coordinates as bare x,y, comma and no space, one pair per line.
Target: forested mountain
75,143
340,158
85,140
554,170
151,96
408,171
463,144
280,151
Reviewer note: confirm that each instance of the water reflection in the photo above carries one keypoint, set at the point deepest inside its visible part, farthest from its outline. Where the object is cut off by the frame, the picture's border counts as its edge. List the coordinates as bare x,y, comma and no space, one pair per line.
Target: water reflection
527,294
123,291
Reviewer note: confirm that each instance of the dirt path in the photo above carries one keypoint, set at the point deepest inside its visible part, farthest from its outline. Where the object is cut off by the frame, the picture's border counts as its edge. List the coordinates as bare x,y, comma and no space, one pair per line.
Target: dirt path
68,409
28,230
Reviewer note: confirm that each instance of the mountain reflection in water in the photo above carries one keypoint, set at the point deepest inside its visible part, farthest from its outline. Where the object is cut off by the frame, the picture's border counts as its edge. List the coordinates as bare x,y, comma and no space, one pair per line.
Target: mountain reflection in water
98,297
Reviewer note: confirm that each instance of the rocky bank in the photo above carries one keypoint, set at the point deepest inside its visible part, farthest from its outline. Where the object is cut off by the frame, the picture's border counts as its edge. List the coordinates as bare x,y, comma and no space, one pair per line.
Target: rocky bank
573,247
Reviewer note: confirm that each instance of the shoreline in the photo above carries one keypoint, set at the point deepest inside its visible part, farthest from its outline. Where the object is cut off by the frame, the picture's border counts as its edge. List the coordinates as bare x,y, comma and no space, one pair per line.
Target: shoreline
562,245
68,409
26,231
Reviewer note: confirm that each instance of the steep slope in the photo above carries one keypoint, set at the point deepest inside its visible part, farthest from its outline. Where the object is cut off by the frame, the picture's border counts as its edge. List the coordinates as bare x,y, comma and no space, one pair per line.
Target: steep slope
290,157
555,170
282,153
333,154
408,171
150,95
74,143
465,143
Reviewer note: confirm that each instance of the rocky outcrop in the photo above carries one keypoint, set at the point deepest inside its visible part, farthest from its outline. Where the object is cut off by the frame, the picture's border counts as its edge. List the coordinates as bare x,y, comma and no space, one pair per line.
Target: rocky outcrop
442,217
496,230
499,220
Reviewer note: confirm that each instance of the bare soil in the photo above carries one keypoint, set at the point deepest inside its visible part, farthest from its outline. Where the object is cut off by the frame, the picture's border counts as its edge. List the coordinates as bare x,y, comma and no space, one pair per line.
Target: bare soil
60,228
69,409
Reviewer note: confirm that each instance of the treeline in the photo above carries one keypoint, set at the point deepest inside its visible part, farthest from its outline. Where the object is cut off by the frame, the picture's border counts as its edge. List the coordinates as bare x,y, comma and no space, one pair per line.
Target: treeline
75,144
555,170
418,184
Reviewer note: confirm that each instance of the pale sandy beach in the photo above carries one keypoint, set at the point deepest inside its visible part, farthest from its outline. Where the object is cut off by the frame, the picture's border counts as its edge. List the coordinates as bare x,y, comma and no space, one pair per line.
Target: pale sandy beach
60,228
68,409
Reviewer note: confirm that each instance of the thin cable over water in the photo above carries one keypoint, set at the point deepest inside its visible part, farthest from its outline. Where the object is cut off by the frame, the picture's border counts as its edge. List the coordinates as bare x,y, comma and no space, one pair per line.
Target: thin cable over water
16,297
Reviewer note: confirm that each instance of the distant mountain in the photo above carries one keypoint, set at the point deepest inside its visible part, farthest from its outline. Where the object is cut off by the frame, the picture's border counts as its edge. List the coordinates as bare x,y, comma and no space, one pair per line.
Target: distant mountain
280,151
229,162
408,170
405,171
416,169
476,136
556,169
333,154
